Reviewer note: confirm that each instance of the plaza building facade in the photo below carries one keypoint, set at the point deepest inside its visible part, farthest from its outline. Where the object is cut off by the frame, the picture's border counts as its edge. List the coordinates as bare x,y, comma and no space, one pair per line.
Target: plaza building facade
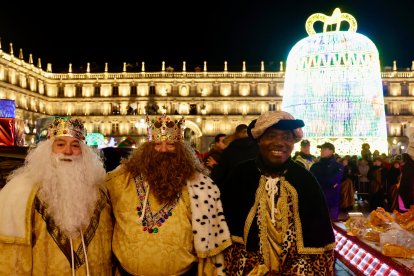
115,103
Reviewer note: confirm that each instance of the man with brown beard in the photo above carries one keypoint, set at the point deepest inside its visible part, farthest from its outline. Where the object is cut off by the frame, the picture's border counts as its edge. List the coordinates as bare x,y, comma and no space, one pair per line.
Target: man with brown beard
54,212
168,213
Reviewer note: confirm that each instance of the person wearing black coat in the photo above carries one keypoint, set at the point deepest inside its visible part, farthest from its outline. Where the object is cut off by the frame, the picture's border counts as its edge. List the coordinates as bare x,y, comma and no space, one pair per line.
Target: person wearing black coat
406,191
275,209
378,178
240,149
329,174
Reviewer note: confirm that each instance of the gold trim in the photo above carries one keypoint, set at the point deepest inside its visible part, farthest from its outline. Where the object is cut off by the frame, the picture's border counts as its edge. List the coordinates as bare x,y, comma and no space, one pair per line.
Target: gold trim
262,212
237,239
215,251
261,190
298,224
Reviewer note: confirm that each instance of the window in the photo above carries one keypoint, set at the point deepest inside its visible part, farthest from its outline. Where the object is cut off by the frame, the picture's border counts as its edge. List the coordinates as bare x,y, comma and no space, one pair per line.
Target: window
133,91
193,109
385,90
115,91
97,91
61,91
152,90
78,90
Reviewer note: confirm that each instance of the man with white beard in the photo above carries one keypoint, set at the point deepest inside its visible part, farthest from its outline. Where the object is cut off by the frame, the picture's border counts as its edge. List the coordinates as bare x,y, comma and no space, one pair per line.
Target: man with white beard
54,212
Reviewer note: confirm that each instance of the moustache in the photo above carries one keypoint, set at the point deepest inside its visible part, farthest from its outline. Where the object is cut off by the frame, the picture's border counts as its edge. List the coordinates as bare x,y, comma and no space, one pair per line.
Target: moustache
60,157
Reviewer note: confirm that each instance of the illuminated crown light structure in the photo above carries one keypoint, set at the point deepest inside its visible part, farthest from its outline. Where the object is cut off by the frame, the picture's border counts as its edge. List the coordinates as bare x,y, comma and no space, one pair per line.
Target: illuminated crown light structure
333,82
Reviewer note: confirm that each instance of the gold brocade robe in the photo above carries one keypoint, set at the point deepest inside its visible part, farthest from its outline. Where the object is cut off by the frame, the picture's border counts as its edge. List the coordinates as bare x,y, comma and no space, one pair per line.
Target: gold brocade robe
170,251
40,253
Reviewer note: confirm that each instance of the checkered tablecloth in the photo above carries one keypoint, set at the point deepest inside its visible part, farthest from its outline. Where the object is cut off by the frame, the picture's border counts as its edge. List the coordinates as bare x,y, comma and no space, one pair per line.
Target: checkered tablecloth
363,260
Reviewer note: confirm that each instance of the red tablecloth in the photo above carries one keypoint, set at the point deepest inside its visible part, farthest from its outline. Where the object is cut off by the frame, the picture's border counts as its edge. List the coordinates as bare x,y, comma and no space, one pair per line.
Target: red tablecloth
366,259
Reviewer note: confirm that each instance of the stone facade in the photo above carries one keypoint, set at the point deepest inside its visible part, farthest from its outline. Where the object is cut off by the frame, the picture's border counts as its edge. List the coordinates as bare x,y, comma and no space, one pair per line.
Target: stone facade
115,104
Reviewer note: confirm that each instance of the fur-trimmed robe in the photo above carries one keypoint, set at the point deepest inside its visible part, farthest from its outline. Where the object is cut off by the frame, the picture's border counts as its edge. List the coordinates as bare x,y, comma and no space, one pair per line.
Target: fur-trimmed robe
31,244
303,227
196,231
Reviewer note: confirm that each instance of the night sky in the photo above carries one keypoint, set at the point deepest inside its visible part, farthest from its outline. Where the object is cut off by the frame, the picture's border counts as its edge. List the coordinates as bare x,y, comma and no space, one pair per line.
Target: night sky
192,31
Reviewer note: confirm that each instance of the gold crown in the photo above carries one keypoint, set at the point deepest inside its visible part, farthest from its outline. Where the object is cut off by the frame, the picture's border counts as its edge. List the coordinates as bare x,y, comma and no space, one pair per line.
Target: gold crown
165,129
61,127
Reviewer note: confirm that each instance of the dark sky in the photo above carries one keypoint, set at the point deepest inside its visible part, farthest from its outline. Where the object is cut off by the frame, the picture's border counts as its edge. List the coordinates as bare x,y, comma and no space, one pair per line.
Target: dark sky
174,31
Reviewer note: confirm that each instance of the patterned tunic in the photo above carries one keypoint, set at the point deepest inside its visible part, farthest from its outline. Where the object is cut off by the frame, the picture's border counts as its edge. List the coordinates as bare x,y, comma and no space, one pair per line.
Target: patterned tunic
178,243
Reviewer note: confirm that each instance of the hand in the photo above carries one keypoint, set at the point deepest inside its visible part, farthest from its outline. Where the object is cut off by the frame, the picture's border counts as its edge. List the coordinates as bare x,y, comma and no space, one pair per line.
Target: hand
211,162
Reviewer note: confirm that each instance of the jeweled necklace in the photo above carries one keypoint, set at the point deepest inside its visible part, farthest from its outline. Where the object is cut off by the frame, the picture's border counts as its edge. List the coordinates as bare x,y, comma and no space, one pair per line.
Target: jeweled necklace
151,222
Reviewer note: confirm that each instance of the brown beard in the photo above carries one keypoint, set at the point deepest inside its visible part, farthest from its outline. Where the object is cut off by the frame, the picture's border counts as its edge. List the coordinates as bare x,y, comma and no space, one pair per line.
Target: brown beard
165,172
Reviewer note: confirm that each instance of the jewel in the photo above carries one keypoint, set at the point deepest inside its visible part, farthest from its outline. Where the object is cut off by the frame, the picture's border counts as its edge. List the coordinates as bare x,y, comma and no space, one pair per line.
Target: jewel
162,220
139,208
155,230
139,213
170,213
144,229
151,230
144,223
165,216
159,224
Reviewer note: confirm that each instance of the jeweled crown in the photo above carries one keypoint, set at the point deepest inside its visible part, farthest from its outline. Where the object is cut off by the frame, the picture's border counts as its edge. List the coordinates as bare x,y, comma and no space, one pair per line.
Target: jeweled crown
61,127
163,128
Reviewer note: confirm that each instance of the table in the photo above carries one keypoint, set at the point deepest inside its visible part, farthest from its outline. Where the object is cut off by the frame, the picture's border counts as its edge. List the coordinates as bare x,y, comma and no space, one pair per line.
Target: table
365,258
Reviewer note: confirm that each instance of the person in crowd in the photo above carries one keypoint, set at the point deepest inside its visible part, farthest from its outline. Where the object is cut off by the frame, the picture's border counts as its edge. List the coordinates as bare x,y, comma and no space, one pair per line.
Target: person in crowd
168,213
304,157
347,192
196,151
376,154
406,190
241,148
366,153
112,156
352,166
393,183
275,208
212,157
378,178
385,161
329,174
55,213
363,181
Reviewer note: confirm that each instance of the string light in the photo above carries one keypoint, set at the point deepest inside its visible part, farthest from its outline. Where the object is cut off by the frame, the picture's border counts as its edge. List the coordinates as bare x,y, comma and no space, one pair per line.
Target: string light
7,109
95,139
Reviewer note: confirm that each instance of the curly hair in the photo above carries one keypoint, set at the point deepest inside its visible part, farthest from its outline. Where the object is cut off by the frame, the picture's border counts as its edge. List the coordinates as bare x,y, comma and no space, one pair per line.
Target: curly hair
165,172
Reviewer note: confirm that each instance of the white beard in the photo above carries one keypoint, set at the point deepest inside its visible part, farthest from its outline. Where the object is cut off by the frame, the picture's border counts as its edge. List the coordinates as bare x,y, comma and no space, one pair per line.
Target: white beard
69,196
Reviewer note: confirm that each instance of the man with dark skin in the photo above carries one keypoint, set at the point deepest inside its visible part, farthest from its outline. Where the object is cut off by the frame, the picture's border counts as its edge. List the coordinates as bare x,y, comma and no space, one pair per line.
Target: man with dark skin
275,209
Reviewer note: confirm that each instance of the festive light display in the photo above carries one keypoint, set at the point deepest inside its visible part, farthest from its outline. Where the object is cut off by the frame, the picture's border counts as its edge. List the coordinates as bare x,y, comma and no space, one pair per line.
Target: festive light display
7,109
333,83
95,139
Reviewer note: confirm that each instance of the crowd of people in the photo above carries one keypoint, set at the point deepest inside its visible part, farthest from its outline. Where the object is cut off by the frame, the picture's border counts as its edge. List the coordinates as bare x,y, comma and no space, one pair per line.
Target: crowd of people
247,206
